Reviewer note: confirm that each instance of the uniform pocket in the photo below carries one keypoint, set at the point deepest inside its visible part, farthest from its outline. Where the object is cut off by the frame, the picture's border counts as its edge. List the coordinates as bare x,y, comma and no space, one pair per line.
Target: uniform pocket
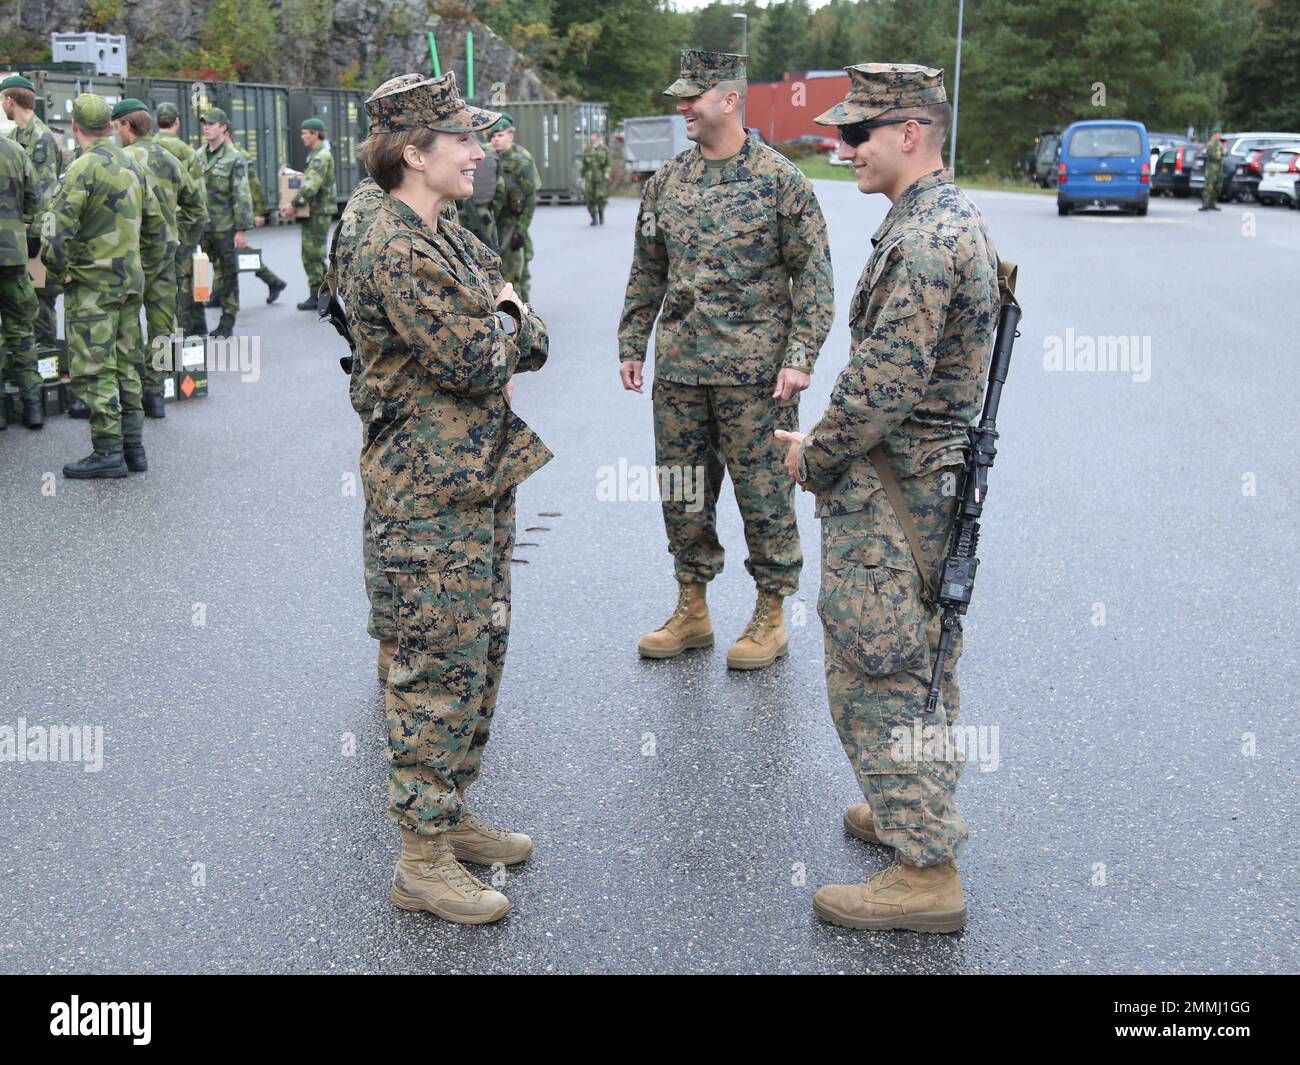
433,607
874,617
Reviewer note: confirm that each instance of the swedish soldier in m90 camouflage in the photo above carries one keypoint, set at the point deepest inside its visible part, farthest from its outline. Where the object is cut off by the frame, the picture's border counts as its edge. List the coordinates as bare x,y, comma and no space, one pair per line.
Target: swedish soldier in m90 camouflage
178,199
438,334
18,98
273,282
731,255
514,204
19,201
104,234
191,226
595,178
923,321
317,193
230,212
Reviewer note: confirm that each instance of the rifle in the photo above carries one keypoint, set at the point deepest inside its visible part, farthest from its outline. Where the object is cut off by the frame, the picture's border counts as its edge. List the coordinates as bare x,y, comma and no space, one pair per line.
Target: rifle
957,574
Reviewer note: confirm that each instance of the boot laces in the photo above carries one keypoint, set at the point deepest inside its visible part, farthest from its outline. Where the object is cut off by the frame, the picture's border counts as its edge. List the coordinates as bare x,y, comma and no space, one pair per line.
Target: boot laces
457,875
759,620
682,607
472,820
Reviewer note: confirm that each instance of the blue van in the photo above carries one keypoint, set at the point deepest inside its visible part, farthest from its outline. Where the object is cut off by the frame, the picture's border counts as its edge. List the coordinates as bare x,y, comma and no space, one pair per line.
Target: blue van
1105,162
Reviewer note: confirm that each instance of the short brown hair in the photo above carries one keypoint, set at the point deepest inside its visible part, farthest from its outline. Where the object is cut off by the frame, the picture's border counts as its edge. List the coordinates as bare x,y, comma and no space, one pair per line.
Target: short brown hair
381,154
940,116
24,98
141,123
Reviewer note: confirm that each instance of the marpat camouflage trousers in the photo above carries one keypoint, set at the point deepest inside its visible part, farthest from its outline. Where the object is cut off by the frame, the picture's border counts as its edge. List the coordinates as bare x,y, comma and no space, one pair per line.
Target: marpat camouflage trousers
104,343
451,603
702,431
881,636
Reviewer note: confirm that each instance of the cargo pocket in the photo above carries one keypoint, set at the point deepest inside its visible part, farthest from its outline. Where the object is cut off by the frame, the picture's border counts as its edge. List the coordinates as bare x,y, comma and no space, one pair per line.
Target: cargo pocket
433,604
875,618
891,785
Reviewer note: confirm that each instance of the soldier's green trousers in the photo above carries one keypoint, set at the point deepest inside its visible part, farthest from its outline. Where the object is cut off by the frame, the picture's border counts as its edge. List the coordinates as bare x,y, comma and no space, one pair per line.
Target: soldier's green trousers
1213,179
595,195
47,316
315,241
702,432
189,313
220,247
880,638
451,579
104,343
160,322
19,308
514,264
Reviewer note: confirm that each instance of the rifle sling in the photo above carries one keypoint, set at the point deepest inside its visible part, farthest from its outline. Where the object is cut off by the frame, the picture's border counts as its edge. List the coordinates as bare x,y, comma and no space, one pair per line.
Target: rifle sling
890,484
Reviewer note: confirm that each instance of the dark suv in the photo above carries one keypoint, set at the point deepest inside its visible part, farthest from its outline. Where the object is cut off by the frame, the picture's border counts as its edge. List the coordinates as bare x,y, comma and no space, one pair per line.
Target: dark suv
1173,174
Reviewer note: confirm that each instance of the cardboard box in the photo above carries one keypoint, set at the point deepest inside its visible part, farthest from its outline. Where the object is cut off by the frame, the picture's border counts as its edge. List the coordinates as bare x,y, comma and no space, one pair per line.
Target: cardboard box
202,277
290,183
36,270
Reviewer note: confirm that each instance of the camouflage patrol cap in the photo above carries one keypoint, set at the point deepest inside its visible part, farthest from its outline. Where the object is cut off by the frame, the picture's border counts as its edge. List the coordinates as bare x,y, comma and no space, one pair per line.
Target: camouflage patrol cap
703,70
875,88
91,112
314,124
215,114
167,112
430,103
16,81
128,106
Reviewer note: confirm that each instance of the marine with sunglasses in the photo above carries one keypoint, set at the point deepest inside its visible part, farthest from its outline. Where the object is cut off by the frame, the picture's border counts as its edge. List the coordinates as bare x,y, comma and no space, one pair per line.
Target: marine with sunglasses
922,324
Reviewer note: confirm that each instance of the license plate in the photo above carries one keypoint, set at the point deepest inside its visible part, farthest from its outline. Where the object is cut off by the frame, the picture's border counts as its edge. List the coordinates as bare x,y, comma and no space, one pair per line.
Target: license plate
1103,177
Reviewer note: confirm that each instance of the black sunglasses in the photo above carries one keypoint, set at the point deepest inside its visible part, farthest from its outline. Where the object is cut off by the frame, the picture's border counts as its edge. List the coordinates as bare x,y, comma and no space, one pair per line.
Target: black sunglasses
860,132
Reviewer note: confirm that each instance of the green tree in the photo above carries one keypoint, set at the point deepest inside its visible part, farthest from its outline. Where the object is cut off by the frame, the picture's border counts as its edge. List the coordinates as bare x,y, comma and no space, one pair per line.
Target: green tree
305,27
1263,85
780,42
239,41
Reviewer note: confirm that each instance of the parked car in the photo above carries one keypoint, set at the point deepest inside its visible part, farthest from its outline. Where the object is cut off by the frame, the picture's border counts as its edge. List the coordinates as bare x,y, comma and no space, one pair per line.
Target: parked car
1159,142
1104,163
1245,179
817,142
1277,184
1042,161
1236,148
1173,172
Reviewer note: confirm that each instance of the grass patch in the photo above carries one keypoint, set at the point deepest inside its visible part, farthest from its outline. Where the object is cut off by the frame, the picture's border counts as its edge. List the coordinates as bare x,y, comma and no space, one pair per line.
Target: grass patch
818,167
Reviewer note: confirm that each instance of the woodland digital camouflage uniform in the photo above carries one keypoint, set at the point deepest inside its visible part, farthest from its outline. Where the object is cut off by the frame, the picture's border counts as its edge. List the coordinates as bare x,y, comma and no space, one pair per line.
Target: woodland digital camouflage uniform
736,265
178,199
19,201
317,193
230,208
922,323
105,230
443,456
42,147
595,182
191,227
513,208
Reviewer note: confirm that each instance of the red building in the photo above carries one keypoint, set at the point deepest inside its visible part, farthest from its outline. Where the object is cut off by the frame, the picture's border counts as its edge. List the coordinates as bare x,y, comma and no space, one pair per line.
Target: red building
783,110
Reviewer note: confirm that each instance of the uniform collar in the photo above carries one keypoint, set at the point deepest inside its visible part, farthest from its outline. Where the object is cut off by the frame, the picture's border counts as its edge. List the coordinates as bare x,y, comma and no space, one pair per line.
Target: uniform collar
913,194
740,167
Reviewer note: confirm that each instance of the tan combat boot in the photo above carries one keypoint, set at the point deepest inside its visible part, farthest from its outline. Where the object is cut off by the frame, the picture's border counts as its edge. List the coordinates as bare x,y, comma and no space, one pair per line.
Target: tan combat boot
387,648
428,877
858,822
483,843
764,639
902,896
689,625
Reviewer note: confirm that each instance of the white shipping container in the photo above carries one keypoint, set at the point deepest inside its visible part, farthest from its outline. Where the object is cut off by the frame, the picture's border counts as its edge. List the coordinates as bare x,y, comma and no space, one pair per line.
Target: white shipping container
106,50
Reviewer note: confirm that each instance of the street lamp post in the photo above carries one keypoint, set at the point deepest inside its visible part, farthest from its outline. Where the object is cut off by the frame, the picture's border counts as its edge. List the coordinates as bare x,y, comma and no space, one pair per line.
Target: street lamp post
956,90
744,31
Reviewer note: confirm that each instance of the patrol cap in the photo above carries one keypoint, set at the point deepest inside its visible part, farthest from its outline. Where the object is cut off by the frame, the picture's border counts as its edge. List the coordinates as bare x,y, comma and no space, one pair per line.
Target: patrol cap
167,112
16,81
875,88
91,112
129,106
702,70
215,114
314,124
430,103
503,123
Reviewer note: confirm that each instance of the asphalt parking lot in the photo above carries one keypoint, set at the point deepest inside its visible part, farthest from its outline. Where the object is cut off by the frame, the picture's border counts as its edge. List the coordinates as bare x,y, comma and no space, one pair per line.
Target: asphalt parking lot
1131,655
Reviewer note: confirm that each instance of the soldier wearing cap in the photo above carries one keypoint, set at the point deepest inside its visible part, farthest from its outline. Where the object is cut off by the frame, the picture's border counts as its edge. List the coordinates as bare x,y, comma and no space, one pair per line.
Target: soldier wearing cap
230,212
18,304
18,98
595,178
182,209
316,193
514,203
188,313
438,334
1213,172
104,234
273,282
731,255
922,323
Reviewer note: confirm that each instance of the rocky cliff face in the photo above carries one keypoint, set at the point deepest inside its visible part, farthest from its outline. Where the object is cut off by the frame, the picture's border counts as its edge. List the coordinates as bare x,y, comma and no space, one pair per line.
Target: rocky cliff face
368,41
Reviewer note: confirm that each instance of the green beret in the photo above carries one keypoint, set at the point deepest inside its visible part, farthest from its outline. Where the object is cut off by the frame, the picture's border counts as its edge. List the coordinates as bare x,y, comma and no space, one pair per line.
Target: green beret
17,81
215,114
314,124
91,112
503,123
128,106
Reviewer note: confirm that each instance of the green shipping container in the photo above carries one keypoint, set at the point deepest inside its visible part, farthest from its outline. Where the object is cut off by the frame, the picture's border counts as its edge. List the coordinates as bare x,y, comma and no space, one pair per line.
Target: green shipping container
190,98
55,91
259,126
344,113
556,132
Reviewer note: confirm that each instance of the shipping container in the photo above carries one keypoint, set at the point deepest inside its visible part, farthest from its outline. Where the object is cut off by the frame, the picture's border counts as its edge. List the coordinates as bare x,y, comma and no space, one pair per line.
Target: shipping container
344,113
259,126
556,132
190,98
55,91
650,142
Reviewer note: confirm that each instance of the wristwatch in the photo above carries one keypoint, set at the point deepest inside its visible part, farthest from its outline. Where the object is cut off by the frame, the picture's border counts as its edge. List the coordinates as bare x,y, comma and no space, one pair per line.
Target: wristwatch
508,322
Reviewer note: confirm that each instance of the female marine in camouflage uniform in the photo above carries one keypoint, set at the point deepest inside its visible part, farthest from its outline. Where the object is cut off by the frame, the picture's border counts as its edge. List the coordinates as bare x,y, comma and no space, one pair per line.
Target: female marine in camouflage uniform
438,335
